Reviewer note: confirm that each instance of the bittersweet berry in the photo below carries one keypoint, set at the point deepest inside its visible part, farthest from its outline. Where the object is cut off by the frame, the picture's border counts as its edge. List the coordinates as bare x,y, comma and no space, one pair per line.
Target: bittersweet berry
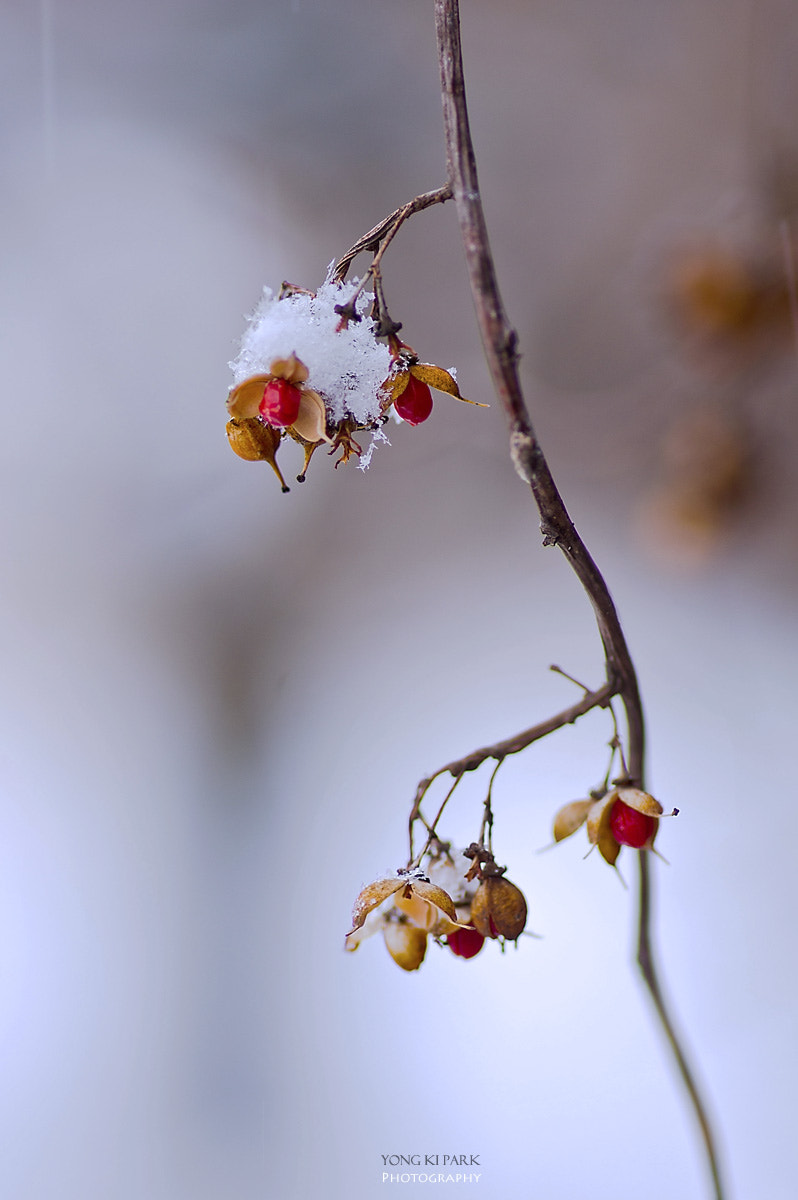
415,403
465,943
630,827
280,403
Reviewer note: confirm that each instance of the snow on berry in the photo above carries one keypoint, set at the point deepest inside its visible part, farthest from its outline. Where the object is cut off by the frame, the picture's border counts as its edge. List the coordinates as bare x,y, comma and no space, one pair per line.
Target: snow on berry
316,368
346,364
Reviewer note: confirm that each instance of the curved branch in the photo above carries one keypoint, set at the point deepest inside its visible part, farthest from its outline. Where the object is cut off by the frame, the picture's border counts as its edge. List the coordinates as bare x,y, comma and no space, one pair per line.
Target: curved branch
372,241
500,344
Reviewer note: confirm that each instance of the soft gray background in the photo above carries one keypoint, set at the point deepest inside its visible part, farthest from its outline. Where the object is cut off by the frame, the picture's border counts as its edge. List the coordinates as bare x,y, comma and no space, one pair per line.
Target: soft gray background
218,699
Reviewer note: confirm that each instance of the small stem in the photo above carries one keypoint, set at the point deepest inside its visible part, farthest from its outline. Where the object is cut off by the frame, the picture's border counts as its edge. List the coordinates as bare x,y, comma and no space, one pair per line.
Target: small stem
432,828
487,815
616,745
385,230
648,968
416,814
559,671
385,326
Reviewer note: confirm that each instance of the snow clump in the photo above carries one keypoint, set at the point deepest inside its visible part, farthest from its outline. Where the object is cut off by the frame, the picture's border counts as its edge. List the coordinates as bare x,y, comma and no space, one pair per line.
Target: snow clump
347,366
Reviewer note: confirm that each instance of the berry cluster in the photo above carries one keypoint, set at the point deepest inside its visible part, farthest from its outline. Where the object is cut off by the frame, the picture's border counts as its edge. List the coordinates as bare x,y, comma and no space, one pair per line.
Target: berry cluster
460,904
461,898
620,816
315,367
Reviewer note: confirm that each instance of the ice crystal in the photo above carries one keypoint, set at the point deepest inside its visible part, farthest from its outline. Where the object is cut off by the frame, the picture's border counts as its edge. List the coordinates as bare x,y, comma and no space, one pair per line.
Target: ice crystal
379,435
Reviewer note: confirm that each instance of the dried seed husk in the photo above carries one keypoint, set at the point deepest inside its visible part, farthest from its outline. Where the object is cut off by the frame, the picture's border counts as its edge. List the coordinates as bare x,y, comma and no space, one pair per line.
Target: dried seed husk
426,904
407,944
253,441
639,800
429,907
570,818
291,369
311,423
244,400
394,385
441,380
598,828
374,921
372,895
499,909
309,449
434,894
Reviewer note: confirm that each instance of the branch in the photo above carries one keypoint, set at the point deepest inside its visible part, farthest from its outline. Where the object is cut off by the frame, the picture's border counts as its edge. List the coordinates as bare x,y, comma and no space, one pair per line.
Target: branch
499,751
500,344
513,745
648,968
372,242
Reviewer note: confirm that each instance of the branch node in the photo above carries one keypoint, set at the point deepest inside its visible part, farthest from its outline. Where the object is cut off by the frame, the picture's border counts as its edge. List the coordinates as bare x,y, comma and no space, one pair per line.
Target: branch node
551,536
509,350
522,447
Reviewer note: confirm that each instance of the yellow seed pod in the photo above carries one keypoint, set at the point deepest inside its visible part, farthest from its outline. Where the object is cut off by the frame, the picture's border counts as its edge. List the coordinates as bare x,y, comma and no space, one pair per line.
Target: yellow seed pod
407,944
639,800
428,906
291,369
243,400
499,908
570,818
253,441
311,422
599,832
442,380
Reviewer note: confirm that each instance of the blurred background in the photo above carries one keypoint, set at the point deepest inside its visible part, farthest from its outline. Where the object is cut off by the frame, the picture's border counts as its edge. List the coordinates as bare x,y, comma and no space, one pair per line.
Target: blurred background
218,699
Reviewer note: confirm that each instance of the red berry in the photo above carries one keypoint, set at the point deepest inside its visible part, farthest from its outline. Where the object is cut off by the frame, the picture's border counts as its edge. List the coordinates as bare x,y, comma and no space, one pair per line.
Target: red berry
415,403
280,403
465,943
630,827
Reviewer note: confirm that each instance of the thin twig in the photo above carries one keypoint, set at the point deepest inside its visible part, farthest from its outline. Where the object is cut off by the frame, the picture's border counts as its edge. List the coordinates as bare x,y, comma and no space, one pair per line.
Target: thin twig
648,967
513,745
372,241
432,828
487,812
500,344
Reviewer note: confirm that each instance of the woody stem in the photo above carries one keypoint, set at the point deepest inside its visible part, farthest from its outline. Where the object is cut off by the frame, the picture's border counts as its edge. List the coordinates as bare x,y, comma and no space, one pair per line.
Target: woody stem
500,341
377,239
